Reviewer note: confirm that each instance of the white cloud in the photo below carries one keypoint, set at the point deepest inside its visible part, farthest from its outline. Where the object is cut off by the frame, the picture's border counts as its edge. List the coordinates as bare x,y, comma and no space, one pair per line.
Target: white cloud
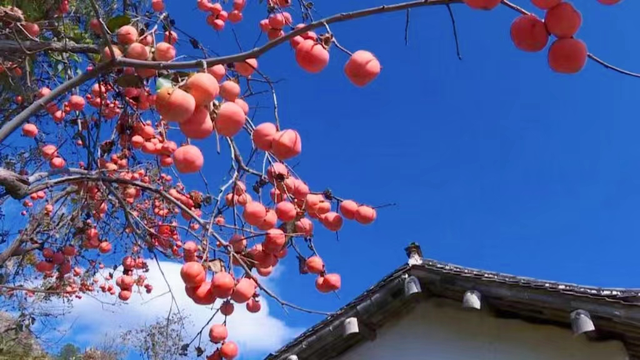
254,333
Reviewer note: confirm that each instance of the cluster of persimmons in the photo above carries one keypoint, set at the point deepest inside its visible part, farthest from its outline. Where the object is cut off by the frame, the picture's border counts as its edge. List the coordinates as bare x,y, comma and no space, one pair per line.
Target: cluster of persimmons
203,105
206,105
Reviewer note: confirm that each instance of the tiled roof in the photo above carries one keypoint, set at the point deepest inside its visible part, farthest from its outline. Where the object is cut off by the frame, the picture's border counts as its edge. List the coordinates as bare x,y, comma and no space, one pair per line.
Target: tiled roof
614,311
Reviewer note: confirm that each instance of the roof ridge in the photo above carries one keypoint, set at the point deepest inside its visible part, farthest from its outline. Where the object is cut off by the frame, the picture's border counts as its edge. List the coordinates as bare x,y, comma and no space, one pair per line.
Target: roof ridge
531,280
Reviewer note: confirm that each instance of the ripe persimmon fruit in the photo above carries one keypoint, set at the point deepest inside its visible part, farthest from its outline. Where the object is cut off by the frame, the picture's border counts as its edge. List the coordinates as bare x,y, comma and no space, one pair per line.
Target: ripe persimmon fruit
188,159
362,68
563,20
482,4
529,33
567,56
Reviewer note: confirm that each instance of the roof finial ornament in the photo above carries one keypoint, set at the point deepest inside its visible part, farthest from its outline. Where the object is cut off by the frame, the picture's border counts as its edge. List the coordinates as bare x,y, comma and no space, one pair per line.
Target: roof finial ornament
414,253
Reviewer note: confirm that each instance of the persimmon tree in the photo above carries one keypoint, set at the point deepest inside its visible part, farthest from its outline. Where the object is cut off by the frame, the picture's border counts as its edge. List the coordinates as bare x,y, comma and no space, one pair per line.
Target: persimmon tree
104,121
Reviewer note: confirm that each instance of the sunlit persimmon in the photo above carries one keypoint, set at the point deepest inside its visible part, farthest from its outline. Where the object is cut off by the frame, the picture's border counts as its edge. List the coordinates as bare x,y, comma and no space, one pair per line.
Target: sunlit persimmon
277,20
147,40
321,285
76,102
277,172
264,272
529,33
239,4
246,67
482,4
235,16
244,290
107,55
332,220
203,87
567,56
254,212
264,25
332,282
127,35
218,24
137,51
280,3
269,221
545,4
222,285
124,295
44,266
362,68
274,240
229,90
31,28
563,20
199,125
253,306
218,333
229,350
312,201
169,147
229,120
238,242
174,104
277,196
29,130
243,105
286,144
105,247
304,226
203,294
193,274
128,263
170,37
69,250
314,265
49,151
164,52
218,72
57,258
312,56
348,209
227,308
263,135
286,211
365,215
297,188
157,5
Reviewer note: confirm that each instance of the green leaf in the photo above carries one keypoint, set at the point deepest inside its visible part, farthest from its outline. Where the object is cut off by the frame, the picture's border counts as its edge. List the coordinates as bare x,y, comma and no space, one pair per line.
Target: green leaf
117,22
162,83
129,80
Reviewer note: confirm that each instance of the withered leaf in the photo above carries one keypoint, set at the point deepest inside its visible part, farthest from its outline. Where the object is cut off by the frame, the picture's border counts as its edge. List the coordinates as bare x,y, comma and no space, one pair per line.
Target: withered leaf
302,267
216,265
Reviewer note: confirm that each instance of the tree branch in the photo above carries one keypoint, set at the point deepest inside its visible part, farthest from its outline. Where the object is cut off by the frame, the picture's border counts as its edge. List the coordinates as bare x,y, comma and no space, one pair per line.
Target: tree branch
14,249
15,185
10,46
255,53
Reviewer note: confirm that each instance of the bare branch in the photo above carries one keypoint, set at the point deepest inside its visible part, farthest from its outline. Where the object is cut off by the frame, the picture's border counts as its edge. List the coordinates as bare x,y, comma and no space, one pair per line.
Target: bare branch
9,47
15,185
257,52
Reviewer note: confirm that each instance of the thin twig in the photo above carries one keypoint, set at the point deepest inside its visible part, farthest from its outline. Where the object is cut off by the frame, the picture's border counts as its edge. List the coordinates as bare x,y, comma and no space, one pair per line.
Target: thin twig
455,31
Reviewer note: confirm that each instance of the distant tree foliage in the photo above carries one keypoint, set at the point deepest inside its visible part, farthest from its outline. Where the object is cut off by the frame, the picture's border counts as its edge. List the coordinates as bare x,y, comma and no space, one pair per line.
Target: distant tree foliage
161,340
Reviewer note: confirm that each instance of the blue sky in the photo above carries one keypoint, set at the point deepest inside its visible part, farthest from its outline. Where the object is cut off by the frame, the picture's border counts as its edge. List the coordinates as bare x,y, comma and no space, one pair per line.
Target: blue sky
494,162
